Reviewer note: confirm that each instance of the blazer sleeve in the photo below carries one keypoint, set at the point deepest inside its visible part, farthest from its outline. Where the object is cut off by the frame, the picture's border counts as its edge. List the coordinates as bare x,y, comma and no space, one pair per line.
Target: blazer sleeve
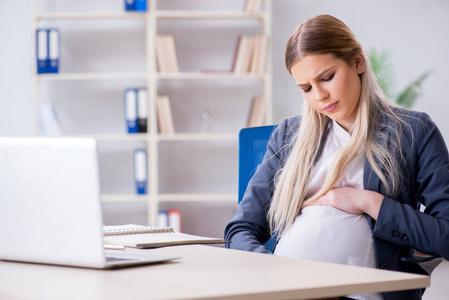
249,228
401,223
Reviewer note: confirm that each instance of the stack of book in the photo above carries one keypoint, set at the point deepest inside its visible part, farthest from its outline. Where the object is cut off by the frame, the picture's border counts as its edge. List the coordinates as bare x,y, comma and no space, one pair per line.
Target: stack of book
47,50
251,55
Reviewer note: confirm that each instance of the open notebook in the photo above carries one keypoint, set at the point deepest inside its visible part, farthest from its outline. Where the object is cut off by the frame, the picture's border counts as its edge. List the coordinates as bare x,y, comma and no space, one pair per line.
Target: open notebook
148,237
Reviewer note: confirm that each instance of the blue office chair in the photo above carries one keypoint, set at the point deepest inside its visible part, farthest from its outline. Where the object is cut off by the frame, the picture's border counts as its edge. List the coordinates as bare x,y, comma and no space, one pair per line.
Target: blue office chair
252,147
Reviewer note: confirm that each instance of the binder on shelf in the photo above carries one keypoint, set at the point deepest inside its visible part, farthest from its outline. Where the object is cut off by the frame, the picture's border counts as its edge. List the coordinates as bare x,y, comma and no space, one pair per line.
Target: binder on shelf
53,50
129,5
48,120
140,5
162,219
140,170
142,110
257,112
164,115
167,59
41,50
131,110
174,219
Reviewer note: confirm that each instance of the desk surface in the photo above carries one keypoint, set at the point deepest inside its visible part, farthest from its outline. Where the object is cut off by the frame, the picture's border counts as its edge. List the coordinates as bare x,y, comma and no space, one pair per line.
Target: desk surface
203,272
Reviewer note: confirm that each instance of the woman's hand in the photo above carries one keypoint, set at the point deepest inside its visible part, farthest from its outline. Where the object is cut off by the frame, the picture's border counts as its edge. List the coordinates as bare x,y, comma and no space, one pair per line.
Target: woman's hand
353,201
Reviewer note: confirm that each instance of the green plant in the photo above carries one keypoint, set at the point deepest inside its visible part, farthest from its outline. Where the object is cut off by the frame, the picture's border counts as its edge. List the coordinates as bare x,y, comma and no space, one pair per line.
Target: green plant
383,69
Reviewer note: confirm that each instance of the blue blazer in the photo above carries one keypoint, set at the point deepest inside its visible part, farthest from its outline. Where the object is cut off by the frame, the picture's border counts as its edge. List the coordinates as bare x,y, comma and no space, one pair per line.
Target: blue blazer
400,226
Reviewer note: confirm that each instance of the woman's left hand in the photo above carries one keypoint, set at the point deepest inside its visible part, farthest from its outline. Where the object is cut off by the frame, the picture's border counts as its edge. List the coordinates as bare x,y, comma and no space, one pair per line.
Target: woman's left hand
353,201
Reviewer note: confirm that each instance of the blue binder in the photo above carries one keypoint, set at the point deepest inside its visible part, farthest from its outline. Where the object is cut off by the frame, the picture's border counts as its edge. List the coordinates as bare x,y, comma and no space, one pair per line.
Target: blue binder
41,50
140,170
53,50
140,5
129,5
131,110
142,110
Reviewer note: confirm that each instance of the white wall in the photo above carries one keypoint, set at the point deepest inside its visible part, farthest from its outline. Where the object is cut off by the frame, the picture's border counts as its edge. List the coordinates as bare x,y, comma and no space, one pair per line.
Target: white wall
414,31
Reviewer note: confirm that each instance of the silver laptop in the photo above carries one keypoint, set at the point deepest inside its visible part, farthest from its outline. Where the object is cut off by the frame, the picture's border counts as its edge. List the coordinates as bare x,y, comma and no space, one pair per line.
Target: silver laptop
50,205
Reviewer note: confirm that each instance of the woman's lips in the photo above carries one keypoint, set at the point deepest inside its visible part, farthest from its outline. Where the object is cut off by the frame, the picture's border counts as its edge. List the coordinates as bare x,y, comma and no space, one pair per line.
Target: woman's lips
331,107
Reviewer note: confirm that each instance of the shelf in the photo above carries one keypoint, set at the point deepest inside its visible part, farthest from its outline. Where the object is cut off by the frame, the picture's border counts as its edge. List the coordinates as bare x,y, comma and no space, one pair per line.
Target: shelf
198,137
92,76
143,75
124,198
210,75
113,137
174,14
86,15
218,197
160,137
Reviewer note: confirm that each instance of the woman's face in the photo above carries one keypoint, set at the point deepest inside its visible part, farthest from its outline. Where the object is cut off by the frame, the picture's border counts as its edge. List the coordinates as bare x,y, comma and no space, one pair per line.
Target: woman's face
330,86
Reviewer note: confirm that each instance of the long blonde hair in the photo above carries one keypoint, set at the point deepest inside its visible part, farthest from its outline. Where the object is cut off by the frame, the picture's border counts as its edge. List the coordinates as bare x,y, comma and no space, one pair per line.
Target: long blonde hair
325,34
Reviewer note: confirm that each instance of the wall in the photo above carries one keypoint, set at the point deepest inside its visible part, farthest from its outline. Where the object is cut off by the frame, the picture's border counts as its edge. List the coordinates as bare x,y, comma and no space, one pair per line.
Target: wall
415,32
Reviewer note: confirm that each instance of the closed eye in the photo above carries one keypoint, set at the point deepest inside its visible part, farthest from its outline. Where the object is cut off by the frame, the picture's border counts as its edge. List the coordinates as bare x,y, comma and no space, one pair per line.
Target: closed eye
307,90
329,78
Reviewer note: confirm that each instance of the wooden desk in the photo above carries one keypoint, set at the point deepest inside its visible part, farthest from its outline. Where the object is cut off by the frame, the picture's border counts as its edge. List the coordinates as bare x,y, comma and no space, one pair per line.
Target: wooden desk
204,272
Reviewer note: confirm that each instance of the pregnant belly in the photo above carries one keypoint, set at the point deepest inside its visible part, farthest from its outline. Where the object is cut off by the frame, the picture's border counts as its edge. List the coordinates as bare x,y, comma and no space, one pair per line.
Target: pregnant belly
325,233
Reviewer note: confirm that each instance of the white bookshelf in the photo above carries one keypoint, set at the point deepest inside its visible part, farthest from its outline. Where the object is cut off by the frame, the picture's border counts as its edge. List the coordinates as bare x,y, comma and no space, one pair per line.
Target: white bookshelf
152,78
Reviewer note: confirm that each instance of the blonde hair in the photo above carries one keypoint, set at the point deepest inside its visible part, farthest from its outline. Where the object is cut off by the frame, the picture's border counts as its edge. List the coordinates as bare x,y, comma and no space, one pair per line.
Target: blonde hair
325,34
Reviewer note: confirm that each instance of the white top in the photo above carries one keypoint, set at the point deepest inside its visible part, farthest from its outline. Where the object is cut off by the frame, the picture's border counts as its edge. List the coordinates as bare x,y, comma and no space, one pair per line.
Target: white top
324,233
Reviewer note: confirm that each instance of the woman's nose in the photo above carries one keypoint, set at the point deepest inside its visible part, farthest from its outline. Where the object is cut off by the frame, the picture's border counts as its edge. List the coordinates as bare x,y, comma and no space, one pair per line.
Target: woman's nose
320,94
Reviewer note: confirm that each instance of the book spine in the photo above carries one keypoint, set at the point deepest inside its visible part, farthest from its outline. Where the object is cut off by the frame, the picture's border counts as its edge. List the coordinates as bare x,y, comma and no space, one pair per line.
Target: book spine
174,219
53,50
41,50
162,219
140,171
142,110
140,5
129,5
131,110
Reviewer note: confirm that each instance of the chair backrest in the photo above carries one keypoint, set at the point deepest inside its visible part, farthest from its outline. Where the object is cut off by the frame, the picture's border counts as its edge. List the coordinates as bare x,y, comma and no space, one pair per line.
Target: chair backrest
252,147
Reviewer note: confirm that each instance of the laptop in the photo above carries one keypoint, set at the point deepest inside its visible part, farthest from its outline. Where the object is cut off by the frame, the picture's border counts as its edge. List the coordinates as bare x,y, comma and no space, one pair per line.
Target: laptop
50,208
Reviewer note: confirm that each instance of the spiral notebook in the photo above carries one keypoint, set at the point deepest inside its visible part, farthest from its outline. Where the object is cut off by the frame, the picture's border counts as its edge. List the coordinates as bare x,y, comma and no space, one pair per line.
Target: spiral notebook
138,236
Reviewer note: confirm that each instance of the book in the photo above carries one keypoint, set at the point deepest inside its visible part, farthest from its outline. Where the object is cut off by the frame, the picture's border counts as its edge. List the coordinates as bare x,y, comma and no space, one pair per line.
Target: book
140,170
243,54
174,219
129,5
131,110
137,236
41,50
259,55
257,112
252,6
164,115
167,59
162,219
142,110
140,5
53,50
